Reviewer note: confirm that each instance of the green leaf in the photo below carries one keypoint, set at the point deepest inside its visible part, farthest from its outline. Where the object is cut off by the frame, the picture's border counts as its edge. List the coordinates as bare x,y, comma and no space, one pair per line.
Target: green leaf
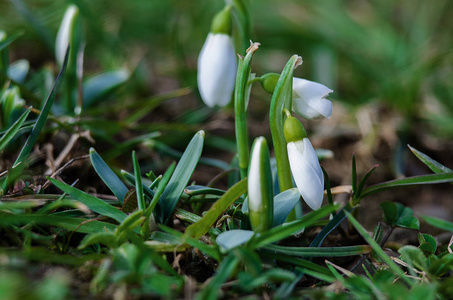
194,190
105,238
408,222
112,181
443,265
181,175
378,250
138,183
415,180
95,88
414,257
13,130
231,239
389,211
336,220
283,231
435,166
29,144
354,176
197,230
320,251
5,43
68,223
439,223
429,239
284,204
362,182
93,203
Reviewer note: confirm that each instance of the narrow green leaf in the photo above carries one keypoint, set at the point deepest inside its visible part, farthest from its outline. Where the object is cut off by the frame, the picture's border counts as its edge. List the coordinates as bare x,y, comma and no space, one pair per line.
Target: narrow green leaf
93,203
194,190
354,176
138,183
284,204
97,87
363,181
186,216
13,130
435,166
283,231
438,223
160,189
181,175
112,181
68,223
197,230
225,271
105,238
233,238
415,180
378,250
320,251
336,220
5,43
29,144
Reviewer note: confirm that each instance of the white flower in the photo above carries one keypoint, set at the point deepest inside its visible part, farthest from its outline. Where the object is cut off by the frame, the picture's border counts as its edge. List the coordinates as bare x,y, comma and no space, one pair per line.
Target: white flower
217,68
307,172
67,33
309,99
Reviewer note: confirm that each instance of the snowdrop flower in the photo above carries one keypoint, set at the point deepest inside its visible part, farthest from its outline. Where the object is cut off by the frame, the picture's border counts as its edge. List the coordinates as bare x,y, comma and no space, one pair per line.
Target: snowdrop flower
304,163
260,188
68,33
309,97
217,64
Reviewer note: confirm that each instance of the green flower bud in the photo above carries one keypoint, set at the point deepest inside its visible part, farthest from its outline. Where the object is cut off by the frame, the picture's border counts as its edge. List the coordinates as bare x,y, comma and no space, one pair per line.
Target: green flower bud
269,81
222,23
294,130
11,105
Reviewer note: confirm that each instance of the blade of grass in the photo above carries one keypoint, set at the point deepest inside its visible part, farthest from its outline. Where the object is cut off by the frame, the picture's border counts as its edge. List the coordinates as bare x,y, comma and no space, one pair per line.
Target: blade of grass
181,175
138,183
93,203
320,251
13,130
9,40
415,180
69,223
43,115
435,166
439,223
378,250
200,228
112,181
283,231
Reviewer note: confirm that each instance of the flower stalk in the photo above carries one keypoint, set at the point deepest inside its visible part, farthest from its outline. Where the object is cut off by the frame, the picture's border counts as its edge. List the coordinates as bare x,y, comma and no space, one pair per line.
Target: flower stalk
241,97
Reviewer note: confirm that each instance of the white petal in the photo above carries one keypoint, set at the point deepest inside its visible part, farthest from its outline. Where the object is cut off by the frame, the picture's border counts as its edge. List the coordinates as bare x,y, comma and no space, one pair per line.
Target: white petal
217,70
309,99
63,35
307,172
253,181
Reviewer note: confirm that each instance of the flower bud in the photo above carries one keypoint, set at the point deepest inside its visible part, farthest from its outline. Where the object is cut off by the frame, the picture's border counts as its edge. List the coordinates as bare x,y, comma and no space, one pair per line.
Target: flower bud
260,187
69,33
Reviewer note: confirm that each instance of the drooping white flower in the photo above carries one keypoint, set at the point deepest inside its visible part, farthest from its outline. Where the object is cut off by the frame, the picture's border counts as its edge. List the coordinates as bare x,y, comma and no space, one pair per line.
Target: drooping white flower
309,99
217,64
217,68
304,163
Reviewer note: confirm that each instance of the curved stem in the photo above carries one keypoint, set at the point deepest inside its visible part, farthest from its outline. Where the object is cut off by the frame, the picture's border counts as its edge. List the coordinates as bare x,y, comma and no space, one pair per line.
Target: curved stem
281,98
240,109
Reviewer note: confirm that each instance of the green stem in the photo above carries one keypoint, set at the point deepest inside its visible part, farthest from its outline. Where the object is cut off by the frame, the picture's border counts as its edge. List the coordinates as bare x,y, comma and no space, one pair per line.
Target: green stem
281,99
240,100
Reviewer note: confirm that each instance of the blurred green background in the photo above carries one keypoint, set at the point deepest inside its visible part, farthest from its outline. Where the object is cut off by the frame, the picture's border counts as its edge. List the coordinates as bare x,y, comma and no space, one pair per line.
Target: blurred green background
393,57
